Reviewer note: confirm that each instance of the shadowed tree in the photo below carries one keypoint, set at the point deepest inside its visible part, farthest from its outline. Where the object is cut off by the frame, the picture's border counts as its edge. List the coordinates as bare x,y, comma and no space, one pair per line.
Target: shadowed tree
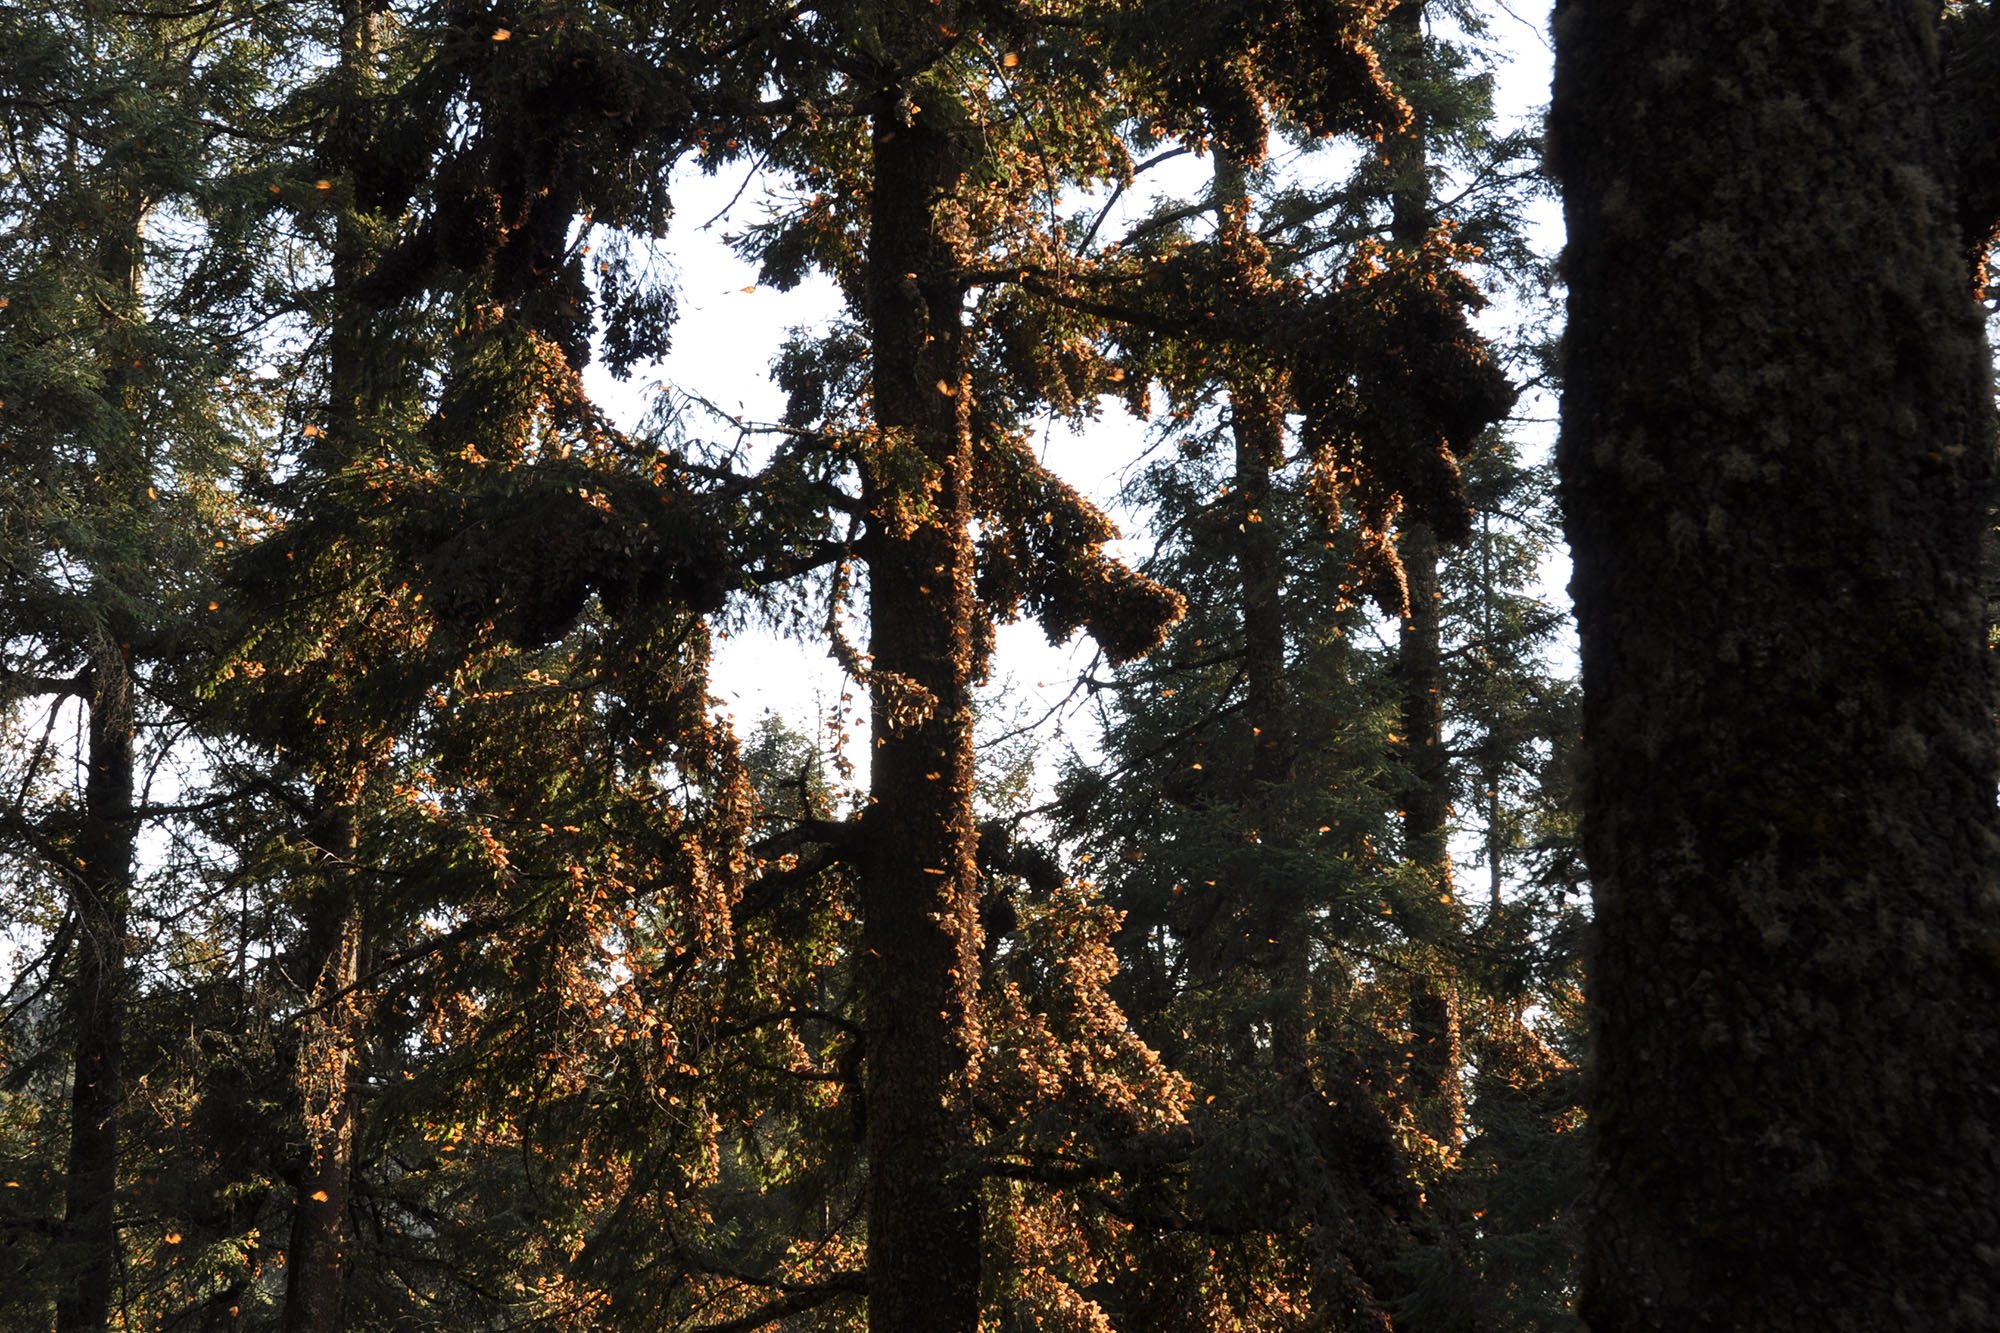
125,261
1776,461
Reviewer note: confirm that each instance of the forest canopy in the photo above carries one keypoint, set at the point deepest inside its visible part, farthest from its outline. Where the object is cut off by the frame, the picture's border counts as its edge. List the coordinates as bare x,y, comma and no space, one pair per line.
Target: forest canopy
400,931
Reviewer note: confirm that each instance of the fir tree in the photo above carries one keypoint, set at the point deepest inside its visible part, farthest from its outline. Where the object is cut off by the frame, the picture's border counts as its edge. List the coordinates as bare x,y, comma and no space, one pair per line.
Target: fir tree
1292,901
115,331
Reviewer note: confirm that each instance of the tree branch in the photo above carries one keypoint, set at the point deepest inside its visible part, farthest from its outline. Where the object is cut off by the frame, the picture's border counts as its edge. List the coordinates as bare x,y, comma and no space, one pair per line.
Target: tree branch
796,1300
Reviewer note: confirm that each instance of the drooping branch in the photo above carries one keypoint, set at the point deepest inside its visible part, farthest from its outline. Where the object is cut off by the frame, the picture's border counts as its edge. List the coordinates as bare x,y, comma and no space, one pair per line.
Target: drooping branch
838,836
1044,546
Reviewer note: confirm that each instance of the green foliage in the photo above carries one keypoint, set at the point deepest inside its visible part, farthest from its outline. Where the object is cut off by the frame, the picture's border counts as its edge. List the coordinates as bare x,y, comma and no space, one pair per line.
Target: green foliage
297,304
1287,943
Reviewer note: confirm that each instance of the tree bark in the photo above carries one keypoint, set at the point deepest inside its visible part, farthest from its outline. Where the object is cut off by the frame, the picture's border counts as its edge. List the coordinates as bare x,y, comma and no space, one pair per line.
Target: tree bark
1275,911
1424,804
1776,468
1437,1056
1266,923
331,1029
102,892
315,1260
919,888
1436,1050
102,874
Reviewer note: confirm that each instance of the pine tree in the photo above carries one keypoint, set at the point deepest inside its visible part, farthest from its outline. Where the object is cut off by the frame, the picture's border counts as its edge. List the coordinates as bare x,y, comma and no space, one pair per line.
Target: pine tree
944,173
335,927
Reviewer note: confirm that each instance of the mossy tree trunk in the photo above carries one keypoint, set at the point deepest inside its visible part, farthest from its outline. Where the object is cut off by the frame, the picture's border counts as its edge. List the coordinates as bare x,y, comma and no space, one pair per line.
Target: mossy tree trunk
1776,470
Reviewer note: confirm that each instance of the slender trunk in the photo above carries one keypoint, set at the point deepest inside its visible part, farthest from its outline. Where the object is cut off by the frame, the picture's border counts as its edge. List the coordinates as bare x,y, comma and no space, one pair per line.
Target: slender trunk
1351,1268
1252,926
1436,1057
1257,397
919,891
1257,416
1436,1048
1492,765
1776,460
102,877
103,887
330,1033
1425,802
315,1263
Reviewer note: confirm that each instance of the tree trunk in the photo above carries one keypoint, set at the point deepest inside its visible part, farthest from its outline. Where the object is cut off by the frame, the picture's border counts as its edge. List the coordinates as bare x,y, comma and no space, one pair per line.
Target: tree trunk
315,1260
102,892
1267,923
919,891
1776,465
102,876
1436,1055
1275,912
330,1032
1426,802
1257,423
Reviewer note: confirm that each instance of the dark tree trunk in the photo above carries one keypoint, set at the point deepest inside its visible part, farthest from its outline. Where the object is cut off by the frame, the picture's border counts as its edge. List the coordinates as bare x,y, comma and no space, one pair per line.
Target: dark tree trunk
1436,1051
102,891
1266,923
331,1029
919,891
1257,422
315,1260
101,876
1275,912
1426,802
1775,457
1436,1055
1267,926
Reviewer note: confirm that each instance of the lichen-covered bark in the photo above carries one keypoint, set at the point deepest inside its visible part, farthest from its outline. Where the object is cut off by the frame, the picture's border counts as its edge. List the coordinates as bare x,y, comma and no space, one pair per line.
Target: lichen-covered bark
919,887
1775,461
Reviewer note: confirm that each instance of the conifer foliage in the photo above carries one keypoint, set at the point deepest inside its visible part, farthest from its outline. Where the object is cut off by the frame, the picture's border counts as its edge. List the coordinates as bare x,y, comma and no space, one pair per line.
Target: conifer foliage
397,932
